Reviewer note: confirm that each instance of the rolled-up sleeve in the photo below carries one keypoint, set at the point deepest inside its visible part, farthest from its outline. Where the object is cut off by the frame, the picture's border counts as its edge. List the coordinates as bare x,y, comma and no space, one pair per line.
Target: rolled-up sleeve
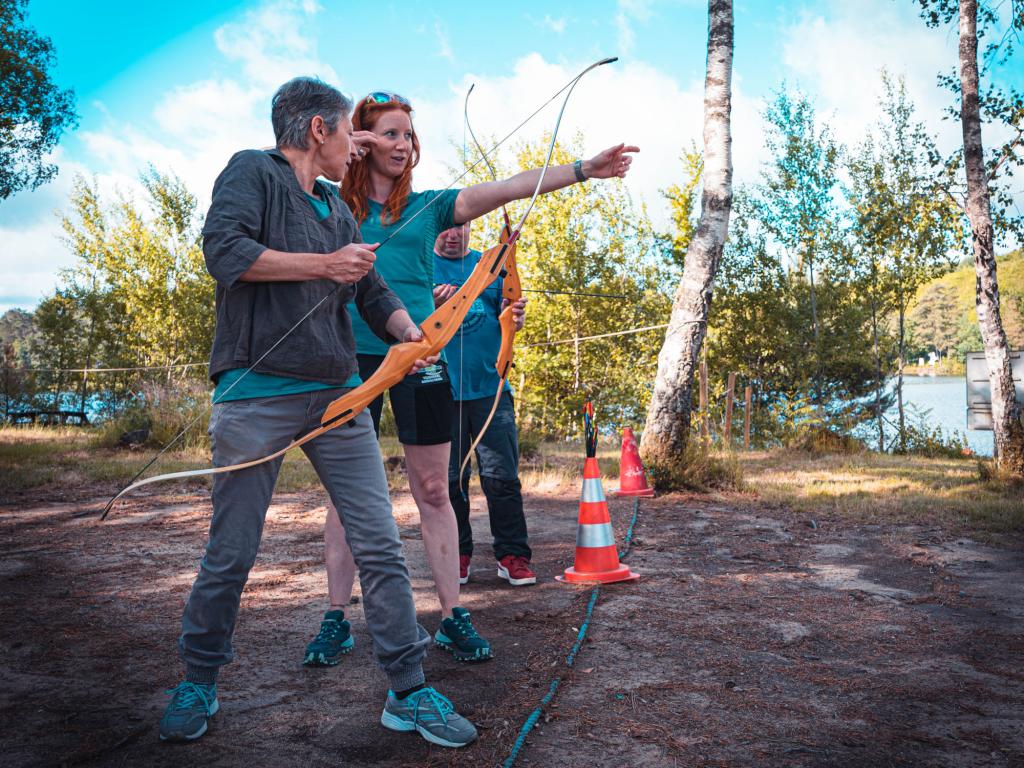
233,225
376,303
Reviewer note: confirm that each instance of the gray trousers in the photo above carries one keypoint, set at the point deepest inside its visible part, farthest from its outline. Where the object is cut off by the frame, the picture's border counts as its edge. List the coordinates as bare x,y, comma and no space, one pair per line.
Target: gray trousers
348,462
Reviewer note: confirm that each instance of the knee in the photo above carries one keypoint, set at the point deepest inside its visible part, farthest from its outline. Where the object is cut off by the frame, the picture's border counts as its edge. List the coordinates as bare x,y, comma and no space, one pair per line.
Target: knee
228,562
501,488
434,494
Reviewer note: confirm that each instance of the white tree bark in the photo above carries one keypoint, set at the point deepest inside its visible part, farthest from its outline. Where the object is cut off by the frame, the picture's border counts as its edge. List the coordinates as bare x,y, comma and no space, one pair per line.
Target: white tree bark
668,418
1006,412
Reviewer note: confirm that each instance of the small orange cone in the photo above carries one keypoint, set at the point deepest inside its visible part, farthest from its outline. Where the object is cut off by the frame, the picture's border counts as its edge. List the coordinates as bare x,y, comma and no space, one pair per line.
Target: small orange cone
632,478
597,559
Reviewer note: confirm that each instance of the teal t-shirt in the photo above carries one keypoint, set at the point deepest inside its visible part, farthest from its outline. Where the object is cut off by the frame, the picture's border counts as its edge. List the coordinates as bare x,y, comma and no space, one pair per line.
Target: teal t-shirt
473,351
264,384
407,262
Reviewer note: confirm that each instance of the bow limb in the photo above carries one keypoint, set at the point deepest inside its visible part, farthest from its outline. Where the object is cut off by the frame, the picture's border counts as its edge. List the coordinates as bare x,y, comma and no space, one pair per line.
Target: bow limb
512,288
511,291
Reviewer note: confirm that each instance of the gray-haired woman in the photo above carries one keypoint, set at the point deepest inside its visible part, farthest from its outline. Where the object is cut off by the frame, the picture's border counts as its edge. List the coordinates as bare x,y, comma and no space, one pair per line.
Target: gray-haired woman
278,240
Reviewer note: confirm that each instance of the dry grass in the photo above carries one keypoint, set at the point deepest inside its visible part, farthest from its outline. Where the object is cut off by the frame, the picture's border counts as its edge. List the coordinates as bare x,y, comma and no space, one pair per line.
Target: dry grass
865,486
34,457
871,487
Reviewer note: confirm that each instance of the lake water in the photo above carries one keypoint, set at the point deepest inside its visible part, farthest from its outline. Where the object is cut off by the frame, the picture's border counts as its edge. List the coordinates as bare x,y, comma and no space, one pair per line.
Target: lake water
946,398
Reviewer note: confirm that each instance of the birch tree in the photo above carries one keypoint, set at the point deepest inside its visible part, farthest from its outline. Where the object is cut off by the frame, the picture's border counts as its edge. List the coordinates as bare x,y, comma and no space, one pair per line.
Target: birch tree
668,417
1006,109
1006,411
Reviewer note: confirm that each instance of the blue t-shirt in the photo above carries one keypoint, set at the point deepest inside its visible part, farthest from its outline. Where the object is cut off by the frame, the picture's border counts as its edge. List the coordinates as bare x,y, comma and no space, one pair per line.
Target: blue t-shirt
407,262
473,350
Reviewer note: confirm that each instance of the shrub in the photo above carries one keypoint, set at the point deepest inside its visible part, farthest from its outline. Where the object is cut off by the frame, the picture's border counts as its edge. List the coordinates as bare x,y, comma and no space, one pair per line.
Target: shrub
697,469
821,440
164,410
924,439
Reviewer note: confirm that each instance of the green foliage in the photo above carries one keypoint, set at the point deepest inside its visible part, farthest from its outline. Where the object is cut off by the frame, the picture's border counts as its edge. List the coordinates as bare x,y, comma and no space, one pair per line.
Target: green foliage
137,295
584,238
682,200
529,444
34,112
931,441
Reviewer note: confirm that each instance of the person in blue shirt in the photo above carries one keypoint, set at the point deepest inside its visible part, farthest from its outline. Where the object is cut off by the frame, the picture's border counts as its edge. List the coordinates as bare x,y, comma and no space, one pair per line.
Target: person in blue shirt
474,378
379,192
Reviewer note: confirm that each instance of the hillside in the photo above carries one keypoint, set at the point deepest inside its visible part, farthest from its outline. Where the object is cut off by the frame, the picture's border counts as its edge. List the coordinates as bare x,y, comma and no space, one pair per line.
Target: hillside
942,317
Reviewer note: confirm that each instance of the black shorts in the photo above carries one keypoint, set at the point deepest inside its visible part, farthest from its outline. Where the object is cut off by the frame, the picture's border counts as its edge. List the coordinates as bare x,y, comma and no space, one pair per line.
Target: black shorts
422,403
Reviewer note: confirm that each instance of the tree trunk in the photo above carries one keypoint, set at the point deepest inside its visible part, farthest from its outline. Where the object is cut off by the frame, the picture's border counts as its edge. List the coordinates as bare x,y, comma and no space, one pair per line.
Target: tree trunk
668,418
900,363
878,371
817,340
1006,412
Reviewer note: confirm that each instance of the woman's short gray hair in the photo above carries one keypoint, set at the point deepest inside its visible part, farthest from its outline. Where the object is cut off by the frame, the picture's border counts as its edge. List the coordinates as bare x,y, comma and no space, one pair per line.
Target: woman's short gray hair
298,101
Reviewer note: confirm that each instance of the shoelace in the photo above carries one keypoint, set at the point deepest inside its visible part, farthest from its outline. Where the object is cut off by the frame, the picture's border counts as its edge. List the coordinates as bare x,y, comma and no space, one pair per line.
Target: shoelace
186,695
520,563
329,630
466,627
440,704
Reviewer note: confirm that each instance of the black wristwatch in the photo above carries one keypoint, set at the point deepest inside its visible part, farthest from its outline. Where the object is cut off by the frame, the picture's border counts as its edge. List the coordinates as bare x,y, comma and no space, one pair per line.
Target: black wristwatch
577,168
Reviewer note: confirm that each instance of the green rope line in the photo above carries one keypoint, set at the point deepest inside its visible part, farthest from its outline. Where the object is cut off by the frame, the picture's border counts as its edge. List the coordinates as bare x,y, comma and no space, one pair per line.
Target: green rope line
534,716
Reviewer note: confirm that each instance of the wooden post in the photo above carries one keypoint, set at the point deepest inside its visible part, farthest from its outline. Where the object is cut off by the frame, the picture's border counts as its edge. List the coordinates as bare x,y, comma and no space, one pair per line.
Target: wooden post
746,419
727,437
705,422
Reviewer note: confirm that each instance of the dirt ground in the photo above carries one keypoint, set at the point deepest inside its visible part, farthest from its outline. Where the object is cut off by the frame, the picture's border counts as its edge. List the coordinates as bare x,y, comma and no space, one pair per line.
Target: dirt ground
756,637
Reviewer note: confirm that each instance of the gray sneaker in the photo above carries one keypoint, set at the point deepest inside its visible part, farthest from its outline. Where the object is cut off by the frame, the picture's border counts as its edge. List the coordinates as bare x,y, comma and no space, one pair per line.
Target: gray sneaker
189,711
430,713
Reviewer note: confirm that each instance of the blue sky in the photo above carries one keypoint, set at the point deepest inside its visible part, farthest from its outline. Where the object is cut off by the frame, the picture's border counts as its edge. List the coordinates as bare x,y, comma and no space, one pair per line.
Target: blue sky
184,85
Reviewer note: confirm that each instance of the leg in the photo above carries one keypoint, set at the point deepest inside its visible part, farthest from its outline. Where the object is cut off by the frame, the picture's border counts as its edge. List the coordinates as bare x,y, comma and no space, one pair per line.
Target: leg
458,487
334,638
341,568
498,458
240,430
428,473
424,413
348,462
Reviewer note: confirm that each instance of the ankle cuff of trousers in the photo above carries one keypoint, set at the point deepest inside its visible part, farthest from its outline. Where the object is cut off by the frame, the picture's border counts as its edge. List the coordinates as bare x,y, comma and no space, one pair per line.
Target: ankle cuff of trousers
404,679
201,675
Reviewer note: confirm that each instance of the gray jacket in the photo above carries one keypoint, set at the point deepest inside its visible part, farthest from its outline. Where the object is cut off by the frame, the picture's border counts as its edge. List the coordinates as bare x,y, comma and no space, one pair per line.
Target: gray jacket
258,204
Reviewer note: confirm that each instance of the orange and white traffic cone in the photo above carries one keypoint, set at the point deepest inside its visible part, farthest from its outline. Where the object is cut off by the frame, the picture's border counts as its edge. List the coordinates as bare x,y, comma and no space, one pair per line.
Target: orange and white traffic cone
632,478
597,559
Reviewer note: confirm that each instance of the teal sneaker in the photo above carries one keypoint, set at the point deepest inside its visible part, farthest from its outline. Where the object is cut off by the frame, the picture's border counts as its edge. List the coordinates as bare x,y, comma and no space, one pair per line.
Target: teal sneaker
189,711
430,713
457,636
332,642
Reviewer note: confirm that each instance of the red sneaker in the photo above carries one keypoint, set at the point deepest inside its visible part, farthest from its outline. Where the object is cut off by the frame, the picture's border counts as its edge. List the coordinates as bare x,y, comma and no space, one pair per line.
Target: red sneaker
515,569
463,569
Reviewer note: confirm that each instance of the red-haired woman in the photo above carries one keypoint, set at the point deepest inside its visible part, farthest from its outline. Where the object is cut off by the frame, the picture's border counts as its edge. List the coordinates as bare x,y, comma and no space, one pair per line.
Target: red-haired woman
379,192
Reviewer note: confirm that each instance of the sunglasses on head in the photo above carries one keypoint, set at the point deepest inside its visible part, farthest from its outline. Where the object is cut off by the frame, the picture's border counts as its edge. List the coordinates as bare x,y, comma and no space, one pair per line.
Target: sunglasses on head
384,97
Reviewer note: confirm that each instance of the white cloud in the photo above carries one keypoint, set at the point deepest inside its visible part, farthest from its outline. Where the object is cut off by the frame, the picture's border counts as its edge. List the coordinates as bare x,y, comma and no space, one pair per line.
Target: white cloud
273,42
555,25
660,115
627,12
444,46
838,57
